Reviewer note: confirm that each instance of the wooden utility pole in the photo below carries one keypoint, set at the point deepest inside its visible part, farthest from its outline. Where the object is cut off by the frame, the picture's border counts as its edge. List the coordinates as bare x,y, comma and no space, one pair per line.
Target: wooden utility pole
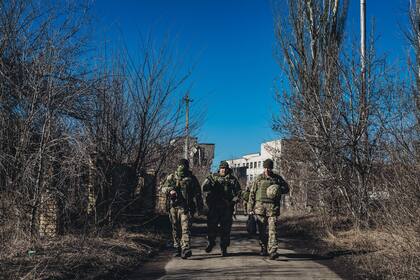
187,132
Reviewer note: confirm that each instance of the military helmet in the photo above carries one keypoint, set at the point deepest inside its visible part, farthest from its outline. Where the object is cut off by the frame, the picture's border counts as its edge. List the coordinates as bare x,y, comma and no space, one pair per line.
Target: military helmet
273,191
224,164
268,163
184,162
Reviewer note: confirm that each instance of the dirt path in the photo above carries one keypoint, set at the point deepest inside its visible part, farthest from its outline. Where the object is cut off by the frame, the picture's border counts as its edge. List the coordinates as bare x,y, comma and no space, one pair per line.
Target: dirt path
243,261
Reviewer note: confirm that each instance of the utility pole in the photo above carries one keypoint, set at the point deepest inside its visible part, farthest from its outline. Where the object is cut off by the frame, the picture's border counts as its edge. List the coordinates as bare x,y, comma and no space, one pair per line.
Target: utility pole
363,91
416,28
363,108
417,32
363,49
187,132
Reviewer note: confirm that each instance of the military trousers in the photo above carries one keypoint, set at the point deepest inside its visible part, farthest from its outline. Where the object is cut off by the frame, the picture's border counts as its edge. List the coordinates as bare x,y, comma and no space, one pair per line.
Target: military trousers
181,224
219,216
267,216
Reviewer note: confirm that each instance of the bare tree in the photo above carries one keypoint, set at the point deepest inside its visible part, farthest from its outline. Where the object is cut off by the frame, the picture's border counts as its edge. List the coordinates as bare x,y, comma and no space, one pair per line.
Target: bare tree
43,94
137,119
309,43
330,106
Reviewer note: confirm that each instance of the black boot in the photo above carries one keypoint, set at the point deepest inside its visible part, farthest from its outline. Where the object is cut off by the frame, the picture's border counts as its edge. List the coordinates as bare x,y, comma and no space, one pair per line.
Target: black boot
186,253
224,252
273,256
177,252
263,252
209,247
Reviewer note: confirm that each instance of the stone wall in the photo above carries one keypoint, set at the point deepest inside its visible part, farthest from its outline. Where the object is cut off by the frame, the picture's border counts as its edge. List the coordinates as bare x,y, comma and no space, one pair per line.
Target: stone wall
49,215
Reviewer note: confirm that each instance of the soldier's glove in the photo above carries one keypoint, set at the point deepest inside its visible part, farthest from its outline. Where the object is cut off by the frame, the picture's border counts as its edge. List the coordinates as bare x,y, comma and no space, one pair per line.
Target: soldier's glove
189,214
277,211
251,212
173,195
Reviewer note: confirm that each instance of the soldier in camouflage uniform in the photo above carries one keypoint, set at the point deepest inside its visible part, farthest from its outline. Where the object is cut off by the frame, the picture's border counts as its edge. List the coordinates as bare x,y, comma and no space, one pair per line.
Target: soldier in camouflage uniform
264,203
221,191
181,189
245,198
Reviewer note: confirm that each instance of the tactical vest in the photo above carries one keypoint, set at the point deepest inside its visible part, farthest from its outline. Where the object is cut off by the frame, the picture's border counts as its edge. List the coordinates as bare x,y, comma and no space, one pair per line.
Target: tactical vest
222,188
183,188
263,184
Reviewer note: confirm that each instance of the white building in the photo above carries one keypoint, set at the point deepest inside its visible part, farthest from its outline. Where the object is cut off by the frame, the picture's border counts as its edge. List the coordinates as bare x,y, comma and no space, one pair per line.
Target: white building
253,163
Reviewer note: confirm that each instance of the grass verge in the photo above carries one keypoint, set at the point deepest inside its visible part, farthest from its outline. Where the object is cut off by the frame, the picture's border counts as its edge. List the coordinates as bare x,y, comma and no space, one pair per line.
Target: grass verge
81,257
377,253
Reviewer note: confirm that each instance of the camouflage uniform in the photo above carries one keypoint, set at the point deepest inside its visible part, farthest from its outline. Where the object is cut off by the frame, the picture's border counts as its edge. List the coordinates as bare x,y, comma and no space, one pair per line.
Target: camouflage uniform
245,198
185,187
266,210
221,193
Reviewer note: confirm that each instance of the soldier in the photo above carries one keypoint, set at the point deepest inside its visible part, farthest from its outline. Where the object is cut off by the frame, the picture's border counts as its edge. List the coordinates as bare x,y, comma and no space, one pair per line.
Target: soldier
181,188
221,191
245,198
264,203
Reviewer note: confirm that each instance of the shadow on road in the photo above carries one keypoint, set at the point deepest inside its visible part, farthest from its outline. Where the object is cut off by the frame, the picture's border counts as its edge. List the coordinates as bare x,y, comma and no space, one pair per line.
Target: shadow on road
243,261
235,273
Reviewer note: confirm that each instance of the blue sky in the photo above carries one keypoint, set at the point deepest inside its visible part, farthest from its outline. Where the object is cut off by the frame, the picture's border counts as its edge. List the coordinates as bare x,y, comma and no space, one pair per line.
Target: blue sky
231,42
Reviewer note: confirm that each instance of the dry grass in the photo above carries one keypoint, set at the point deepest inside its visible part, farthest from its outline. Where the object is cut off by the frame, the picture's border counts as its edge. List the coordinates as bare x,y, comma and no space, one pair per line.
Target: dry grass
369,254
76,257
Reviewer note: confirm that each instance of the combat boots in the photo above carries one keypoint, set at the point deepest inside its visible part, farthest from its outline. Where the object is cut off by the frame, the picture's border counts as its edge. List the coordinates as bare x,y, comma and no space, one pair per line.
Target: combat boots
273,256
177,252
224,252
186,253
209,247
263,252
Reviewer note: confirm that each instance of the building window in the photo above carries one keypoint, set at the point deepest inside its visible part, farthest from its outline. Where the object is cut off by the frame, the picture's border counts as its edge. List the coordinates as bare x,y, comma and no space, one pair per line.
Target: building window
250,177
259,164
255,164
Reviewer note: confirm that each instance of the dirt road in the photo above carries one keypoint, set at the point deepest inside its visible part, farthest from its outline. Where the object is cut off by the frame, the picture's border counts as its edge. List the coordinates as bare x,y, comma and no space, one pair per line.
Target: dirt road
243,261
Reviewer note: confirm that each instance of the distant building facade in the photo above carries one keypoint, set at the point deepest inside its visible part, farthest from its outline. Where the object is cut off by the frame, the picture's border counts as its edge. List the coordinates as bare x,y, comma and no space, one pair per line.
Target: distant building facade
200,154
249,166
